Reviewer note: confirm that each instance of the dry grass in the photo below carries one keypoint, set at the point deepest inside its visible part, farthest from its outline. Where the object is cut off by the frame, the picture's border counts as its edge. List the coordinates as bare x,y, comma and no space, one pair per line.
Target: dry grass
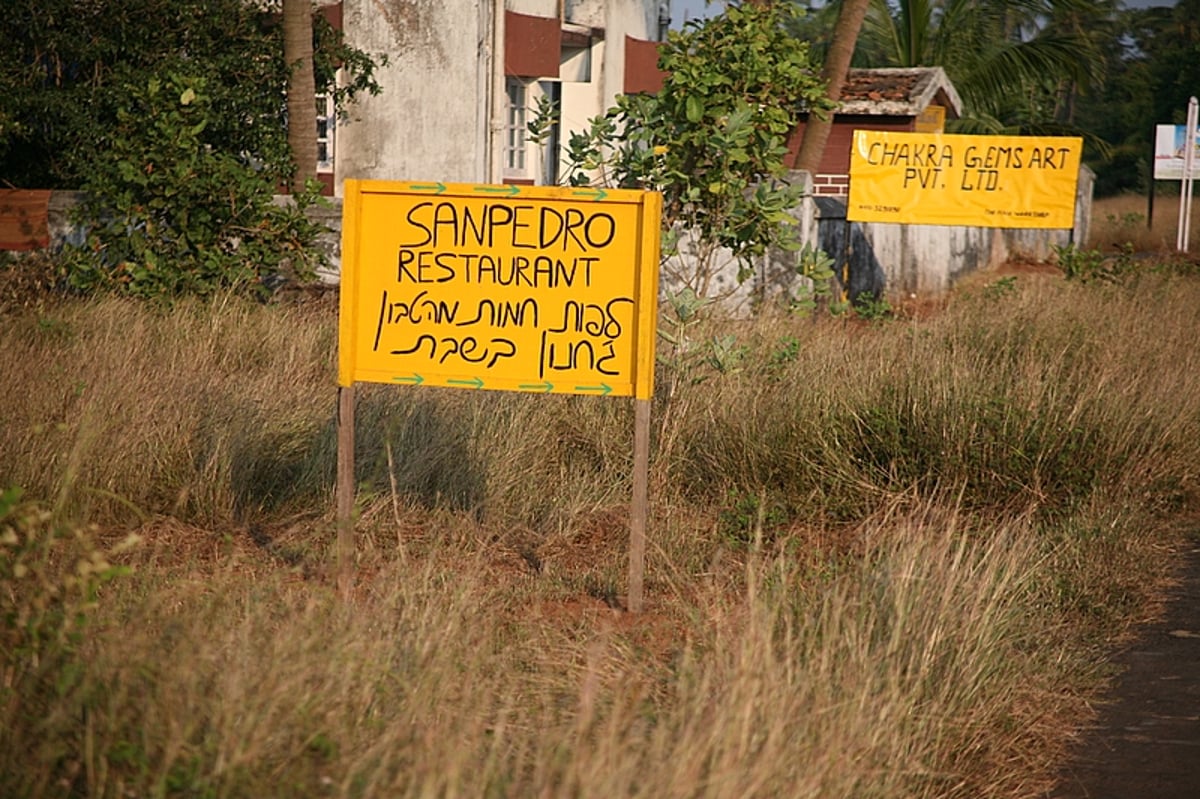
884,557
1126,220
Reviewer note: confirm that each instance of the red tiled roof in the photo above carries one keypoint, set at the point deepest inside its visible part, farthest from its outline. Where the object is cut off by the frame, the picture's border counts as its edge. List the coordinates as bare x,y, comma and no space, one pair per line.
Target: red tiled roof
898,91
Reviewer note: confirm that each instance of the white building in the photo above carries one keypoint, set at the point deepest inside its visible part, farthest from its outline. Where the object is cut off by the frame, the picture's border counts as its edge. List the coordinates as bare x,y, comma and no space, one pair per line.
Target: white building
464,76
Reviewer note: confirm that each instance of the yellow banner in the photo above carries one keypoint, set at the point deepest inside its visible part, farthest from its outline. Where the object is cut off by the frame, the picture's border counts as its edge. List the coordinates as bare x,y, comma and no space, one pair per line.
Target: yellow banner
520,288
983,181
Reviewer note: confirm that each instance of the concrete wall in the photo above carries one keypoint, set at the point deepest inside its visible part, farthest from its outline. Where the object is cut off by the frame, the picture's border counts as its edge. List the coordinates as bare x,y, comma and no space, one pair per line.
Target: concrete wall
773,278
904,260
884,260
431,120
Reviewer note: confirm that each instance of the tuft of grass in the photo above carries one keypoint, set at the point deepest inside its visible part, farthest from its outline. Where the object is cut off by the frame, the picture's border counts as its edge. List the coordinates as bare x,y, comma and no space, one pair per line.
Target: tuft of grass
1038,400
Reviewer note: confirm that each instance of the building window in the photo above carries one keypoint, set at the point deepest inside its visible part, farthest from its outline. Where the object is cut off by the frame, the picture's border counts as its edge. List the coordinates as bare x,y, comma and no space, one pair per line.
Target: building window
326,124
515,127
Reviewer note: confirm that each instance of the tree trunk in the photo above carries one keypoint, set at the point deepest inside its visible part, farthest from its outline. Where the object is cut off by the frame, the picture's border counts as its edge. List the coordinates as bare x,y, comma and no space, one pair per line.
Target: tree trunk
301,88
837,65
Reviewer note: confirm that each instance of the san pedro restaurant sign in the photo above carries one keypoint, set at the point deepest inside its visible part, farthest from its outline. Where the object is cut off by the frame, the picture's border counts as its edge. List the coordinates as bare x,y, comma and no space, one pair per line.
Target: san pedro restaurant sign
537,289
983,181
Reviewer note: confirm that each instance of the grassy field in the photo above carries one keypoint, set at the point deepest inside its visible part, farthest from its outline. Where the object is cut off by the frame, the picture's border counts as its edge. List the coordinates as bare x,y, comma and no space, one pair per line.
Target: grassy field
1126,220
886,557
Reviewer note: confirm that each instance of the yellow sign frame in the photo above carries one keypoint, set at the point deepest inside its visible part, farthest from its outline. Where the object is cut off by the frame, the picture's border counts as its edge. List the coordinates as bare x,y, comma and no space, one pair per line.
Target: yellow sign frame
516,288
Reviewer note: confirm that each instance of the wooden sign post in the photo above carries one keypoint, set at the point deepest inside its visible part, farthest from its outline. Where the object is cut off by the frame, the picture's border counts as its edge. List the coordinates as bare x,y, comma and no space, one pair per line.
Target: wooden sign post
549,290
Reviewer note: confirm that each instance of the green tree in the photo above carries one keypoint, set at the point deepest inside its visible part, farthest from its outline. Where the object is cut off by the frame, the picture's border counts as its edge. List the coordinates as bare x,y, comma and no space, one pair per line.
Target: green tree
1170,39
64,65
713,140
166,215
173,132
1152,67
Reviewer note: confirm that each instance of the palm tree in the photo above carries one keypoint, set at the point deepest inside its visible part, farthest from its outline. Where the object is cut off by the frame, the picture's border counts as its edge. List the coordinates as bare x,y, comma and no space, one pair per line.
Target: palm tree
301,88
1008,58
833,72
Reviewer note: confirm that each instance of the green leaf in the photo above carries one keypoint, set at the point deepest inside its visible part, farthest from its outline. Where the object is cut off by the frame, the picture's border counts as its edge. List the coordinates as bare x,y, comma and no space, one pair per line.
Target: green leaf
187,97
695,108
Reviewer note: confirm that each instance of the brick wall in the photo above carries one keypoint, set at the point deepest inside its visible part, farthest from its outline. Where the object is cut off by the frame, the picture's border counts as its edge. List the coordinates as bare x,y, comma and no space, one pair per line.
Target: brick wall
831,185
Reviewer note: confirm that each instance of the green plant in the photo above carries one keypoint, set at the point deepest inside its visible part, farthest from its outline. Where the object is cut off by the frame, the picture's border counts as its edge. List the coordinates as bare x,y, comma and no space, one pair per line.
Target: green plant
1092,265
713,140
1003,287
547,114
65,68
871,307
751,519
168,215
726,354
685,308
1126,221
815,266
687,353
786,351
1078,263
50,580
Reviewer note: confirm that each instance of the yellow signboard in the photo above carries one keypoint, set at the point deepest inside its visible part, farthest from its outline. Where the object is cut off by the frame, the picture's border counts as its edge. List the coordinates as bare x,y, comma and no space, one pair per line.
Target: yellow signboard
520,288
983,181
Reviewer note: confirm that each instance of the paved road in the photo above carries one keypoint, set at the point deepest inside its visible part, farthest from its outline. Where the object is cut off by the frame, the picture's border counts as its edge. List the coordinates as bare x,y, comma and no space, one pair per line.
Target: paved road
1146,744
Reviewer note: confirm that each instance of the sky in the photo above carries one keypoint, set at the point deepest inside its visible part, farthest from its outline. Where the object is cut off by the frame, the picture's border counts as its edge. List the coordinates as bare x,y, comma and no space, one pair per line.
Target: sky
684,10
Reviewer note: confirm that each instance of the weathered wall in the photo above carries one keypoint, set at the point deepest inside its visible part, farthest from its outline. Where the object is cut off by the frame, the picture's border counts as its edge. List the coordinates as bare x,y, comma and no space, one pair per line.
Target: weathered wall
904,260
638,18
773,278
619,18
883,259
431,120
537,8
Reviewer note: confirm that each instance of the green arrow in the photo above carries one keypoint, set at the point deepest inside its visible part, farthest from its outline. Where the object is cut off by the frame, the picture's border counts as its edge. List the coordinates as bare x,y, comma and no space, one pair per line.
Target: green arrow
545,388
509,190
603,388
438,187
474,382
414,379
595,194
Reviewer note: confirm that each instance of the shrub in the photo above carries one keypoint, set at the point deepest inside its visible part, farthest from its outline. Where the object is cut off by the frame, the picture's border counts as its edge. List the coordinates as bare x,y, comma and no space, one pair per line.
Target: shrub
50,578
169,215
